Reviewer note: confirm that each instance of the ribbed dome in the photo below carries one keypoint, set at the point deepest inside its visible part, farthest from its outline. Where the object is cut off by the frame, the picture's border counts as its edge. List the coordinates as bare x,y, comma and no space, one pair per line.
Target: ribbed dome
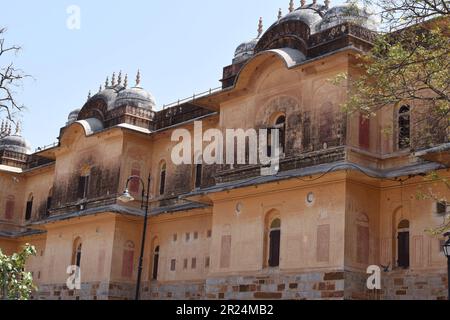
73,116
349,12
136,97
306,15
245,50
108,95
15,143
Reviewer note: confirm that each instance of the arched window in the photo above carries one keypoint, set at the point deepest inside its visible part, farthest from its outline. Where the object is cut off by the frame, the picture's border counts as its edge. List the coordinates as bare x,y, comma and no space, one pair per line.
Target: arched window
404,127
83,182
362,239
306,139
198,175
155,263
128,260
135,183
198,170
280,124
29,207
274,243
9,208
162,178
403,244
49,202
364,132
76,252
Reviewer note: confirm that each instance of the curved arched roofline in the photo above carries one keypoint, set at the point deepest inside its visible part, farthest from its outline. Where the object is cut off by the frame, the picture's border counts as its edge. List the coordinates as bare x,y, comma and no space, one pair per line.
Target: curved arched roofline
90,126
290,57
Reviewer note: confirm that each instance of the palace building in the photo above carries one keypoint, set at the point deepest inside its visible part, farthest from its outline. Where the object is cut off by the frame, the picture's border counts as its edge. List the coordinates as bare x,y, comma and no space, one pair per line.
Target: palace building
345,197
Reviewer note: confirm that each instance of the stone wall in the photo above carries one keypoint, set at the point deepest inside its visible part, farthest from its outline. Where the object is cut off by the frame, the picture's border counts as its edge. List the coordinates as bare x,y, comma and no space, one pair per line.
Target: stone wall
88,291
337,285
408,285
307,286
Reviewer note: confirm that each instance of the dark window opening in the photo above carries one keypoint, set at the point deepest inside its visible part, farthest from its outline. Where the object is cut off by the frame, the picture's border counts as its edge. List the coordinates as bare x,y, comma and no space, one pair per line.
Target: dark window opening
29,209
83,186
306,131
198,175
162,180
404,128
274,243
280,124
364,132
269,142
403,244
155,263
173,265
441,207
49,205
78,256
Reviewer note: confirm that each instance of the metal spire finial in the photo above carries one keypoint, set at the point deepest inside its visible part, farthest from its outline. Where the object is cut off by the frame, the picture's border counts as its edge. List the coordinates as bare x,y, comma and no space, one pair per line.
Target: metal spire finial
260,27
291,5
89,94
18,129
327,4
100,89
303,3
314,1
280,14
119,80
138,78
125,82
107,82
113,79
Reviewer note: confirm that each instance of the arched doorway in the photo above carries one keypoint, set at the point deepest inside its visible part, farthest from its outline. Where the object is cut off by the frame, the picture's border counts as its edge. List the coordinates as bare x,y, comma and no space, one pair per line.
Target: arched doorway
403,244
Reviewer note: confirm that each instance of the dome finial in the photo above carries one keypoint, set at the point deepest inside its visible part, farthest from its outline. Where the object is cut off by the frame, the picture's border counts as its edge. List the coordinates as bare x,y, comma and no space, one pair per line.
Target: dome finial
113,79
327,4
314,1
138,78
303,3
18,128
119,79
280,14
291,5
260,27
89,95
107,82
3,129
125,82
100,89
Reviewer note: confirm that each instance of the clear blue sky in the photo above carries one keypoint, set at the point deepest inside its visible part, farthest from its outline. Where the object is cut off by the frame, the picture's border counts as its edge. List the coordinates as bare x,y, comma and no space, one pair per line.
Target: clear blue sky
180,47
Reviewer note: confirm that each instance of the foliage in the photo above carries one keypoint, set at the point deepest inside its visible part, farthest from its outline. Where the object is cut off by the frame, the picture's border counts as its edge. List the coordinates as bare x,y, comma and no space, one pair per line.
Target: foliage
15,282
10,79
408,64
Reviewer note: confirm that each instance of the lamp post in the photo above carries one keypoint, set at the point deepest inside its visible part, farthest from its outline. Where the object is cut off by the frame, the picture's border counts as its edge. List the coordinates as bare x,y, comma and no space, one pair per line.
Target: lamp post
126,197
446,248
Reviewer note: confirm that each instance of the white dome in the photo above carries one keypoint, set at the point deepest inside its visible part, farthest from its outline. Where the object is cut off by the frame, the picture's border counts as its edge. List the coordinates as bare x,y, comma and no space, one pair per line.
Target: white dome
245,50
136,97
349,12
73,116
15,143
306,15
